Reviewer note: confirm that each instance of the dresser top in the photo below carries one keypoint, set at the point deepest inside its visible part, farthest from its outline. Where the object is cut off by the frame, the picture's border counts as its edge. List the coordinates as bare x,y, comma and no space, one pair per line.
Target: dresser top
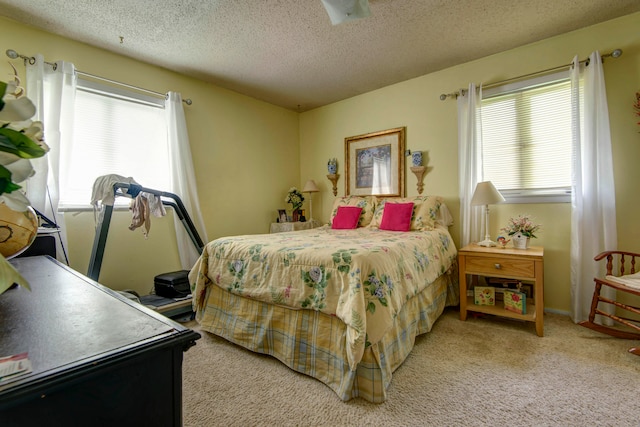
69,320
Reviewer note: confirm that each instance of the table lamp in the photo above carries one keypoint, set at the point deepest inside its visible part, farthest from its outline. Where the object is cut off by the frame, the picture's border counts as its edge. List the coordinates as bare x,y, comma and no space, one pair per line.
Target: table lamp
310,187
486,194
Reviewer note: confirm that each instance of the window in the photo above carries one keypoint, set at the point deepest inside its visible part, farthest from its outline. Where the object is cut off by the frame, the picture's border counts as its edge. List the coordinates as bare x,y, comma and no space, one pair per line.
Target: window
115,132
527,139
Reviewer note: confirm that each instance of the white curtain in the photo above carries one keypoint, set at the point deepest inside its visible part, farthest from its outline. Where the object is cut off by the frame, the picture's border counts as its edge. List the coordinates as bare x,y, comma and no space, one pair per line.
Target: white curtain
54,108
469,162
593,204
183,180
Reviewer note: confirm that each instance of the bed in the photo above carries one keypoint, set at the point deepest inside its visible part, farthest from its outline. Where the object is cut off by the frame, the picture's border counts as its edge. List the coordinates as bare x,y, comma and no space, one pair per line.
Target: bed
341,304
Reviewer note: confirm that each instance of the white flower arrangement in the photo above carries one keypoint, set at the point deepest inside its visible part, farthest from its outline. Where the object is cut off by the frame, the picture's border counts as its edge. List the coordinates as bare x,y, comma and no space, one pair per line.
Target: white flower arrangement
522,224
20,140
295,197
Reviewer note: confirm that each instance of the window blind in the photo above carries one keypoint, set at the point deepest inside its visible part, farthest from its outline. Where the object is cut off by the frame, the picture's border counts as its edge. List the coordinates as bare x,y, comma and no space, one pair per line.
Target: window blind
114,133
527,137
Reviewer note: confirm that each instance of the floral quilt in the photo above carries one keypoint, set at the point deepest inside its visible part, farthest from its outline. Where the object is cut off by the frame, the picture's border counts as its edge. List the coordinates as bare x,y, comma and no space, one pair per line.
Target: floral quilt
362,276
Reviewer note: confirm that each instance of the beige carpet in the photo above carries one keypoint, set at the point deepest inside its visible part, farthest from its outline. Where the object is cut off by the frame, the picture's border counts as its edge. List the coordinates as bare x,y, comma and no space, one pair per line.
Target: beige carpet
491,372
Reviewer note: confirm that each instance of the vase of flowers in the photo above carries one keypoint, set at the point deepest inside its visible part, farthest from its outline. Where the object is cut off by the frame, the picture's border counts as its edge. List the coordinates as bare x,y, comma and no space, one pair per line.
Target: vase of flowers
295,197
20,140
522,230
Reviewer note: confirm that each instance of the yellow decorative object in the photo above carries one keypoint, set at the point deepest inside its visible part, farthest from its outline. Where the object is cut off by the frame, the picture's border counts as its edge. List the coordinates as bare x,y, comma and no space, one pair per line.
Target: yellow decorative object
18,230
333,177
419,171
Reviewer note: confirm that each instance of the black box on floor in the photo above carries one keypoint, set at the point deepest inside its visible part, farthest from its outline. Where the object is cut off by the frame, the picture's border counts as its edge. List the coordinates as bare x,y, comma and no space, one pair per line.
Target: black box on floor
172,285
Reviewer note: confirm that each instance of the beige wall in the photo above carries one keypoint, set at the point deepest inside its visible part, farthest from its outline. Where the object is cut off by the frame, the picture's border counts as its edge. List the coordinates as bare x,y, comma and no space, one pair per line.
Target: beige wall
245,156
248,153
432,128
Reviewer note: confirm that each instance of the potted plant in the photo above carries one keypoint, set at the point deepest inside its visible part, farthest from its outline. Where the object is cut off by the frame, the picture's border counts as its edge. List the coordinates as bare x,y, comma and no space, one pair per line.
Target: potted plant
294,196
521,229
20,140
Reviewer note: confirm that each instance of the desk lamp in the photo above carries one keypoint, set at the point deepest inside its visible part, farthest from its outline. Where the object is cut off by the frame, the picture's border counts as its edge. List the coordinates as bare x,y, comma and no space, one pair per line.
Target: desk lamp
310,187
486,194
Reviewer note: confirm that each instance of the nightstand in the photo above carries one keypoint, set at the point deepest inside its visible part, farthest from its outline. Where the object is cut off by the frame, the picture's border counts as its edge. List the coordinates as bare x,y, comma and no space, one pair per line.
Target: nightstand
519,264
280,227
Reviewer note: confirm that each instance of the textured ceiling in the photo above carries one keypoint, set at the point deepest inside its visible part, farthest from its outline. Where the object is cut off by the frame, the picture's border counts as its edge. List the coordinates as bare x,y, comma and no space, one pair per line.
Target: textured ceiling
286,52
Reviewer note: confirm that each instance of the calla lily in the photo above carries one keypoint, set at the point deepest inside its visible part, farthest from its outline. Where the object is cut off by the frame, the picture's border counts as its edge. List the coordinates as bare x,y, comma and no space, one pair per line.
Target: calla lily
20,170
20,140
17,110
14,107
15,200
35,132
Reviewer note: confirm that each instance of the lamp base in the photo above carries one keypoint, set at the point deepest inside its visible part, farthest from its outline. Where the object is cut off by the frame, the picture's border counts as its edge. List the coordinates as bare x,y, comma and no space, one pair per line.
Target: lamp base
487,243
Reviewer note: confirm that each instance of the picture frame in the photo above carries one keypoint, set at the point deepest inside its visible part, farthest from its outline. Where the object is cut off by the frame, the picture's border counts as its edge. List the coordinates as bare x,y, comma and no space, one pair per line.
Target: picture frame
375,163
282,215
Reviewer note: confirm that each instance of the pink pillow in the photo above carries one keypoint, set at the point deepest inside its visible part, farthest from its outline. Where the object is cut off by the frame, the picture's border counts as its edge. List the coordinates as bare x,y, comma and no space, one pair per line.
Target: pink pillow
346,218
397,216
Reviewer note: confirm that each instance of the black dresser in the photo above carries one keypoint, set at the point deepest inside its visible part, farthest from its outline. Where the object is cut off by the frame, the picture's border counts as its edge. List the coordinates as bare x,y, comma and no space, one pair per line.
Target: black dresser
98,358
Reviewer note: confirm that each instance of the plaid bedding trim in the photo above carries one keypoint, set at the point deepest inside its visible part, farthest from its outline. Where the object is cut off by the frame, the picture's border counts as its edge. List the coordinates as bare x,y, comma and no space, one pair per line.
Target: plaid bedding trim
313,343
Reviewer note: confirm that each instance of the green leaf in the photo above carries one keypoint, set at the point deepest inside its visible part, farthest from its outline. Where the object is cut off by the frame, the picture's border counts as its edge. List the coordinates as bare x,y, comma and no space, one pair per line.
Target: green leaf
18,143
6,185
343,268
3,89
371,307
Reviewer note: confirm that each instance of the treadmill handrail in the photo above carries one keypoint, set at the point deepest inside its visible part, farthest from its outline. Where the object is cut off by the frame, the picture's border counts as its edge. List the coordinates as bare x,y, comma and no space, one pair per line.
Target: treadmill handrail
102,230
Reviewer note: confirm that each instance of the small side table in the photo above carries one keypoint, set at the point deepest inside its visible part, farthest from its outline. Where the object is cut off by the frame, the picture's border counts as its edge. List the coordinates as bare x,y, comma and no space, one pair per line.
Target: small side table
519,264
280,227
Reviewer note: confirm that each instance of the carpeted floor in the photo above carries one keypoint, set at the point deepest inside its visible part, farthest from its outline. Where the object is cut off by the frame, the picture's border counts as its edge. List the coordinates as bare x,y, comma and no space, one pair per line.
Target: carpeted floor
482,372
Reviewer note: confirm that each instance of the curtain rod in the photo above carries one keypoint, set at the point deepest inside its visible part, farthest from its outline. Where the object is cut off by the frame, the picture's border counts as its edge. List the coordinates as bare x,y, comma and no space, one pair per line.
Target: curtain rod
614,54
32,60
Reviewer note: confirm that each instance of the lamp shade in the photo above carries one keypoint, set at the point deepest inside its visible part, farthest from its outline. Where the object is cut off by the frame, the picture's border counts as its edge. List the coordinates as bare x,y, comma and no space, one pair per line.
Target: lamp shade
310,187
486,194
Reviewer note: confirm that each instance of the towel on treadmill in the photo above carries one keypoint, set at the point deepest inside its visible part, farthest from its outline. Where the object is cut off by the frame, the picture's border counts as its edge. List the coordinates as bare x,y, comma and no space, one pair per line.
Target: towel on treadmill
141,206
103,194
103,189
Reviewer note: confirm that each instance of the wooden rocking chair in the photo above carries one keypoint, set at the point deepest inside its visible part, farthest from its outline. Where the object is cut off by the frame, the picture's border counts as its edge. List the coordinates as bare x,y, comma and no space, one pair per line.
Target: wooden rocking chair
615,258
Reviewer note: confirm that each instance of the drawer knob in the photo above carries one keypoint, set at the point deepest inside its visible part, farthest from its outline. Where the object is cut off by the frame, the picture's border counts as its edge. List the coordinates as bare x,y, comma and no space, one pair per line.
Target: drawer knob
497,266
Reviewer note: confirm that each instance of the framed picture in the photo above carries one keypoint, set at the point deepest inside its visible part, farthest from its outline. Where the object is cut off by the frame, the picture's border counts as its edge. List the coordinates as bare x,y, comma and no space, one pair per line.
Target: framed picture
282,215
375,163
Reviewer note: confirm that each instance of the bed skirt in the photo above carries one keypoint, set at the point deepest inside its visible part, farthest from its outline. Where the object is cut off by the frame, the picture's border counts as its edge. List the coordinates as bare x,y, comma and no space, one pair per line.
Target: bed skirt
312,343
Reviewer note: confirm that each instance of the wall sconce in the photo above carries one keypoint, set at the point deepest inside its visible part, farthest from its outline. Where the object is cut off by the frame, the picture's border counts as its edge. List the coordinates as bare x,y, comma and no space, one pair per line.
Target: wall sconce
417,168
419,171
332,168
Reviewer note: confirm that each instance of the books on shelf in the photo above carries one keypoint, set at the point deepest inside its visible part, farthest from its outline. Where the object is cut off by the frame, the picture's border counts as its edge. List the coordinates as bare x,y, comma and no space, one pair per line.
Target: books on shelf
484,295
515,301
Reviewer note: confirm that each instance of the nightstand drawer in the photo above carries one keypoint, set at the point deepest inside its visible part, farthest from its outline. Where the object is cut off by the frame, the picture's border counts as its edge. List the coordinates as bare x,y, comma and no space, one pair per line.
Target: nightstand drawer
503,267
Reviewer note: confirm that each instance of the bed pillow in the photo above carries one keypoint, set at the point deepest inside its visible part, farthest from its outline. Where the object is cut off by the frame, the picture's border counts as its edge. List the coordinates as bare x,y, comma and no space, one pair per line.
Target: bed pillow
397,216
368,205
425,211
347,218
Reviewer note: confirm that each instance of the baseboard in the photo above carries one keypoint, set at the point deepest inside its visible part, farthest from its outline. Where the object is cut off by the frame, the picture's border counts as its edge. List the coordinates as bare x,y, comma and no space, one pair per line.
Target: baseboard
554,311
